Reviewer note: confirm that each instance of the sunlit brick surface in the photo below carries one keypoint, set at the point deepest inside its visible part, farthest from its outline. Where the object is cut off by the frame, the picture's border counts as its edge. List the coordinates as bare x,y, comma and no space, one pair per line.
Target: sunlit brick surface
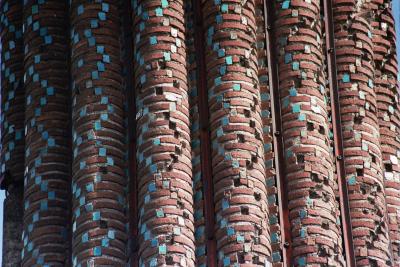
200,133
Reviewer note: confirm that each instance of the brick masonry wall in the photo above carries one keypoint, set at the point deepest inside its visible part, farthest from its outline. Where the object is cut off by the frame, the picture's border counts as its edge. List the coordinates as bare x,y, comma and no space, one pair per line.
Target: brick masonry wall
70,72
240,191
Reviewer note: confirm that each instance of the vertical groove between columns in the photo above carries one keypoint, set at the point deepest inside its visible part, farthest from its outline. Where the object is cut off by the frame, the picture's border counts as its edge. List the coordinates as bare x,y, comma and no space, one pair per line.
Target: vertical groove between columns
131,116
279,159
205,150
337,133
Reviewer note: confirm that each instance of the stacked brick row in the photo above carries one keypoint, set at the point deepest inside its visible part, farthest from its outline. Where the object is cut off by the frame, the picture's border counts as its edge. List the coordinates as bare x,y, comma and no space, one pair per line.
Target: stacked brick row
387,97
99,185
240,191
363,157
165,193
314,213
80,218
12,127
269,155
198,186
47,165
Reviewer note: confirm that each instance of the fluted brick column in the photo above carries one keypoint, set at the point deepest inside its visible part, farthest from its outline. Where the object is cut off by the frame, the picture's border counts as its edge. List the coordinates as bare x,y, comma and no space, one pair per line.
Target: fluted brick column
165,193
359,112
386,89
239,173
314,212
99,167
47,134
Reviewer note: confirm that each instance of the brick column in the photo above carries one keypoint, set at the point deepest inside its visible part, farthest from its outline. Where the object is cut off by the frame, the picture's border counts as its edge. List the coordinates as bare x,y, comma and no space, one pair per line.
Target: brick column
359,112
99,167
47,132
239,173
387,97
314,213
164,168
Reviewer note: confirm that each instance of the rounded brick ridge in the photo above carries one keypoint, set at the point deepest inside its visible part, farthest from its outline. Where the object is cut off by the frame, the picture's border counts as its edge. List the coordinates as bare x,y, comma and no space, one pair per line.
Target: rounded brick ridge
177,214
45,203
365,131
304,114
238,80
99,130
387,102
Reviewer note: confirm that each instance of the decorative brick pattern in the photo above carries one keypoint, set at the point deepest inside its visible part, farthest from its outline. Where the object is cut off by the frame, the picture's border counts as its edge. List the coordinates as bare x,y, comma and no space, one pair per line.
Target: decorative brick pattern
47,151
387,97
363,156
99,167
210,133
165,193
240,190
314,213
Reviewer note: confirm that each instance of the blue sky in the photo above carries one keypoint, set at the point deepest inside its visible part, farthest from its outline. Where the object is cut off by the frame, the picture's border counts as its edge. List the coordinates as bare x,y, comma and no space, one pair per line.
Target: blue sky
396,9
